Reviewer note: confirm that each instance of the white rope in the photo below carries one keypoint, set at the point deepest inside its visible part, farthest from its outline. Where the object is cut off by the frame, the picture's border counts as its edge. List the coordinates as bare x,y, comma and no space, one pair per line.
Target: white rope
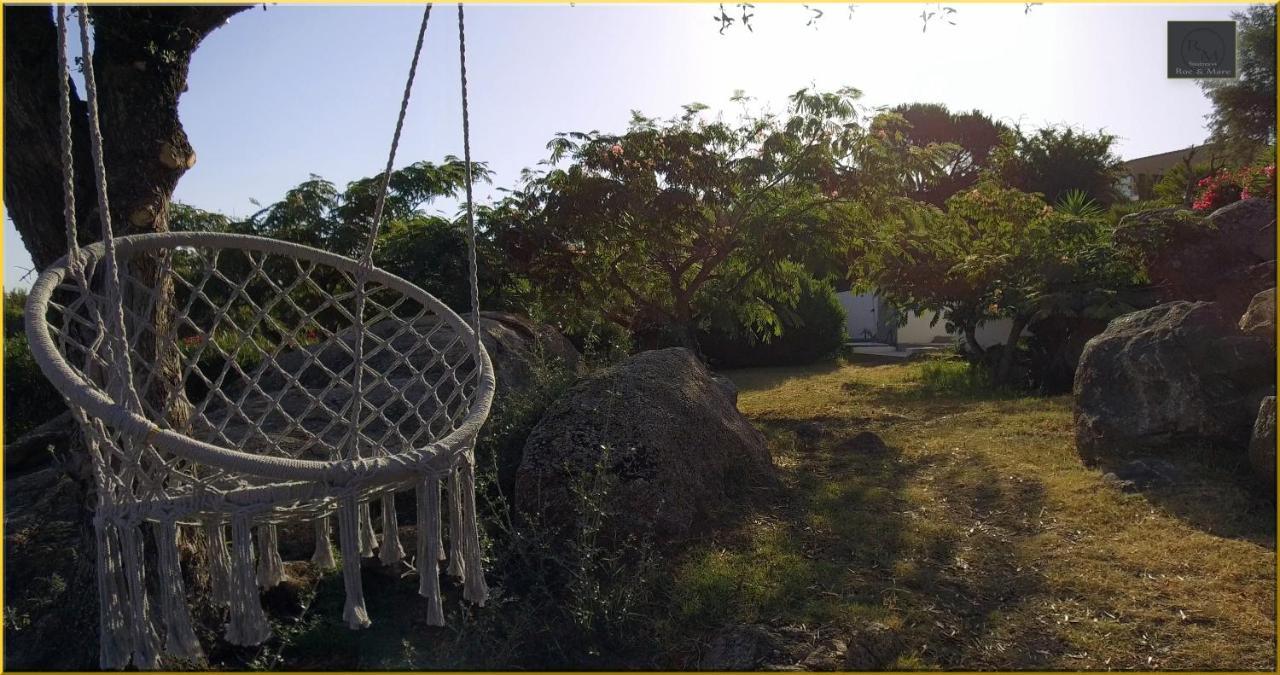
366,257
472,264
427,561
120,360
323,555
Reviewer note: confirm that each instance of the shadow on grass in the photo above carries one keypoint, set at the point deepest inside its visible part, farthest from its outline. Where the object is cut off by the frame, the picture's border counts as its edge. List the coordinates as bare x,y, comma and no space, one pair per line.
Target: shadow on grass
769,378
1212,489
925,545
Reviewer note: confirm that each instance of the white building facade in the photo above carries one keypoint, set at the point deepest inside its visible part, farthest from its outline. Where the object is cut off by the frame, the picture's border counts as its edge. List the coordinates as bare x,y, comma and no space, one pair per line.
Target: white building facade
869,319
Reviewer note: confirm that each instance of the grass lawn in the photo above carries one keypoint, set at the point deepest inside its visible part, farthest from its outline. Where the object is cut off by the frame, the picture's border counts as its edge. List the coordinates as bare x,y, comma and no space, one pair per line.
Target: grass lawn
979,537
974,538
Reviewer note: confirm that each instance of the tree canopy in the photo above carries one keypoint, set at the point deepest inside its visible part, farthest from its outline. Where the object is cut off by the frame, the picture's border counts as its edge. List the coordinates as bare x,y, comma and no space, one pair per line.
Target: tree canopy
658,226
1244,108
968,140
1055,160
997,252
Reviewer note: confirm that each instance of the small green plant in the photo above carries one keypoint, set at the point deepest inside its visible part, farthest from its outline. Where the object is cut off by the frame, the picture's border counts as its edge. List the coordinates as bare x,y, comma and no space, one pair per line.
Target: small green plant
1079,204
955,377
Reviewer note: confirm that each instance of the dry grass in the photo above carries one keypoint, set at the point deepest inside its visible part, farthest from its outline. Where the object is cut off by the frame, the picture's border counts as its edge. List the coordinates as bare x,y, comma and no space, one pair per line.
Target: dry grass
976,539
979,537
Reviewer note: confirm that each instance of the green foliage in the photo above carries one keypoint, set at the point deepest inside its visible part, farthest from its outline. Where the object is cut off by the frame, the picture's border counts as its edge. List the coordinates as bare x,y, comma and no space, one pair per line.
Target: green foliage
1116,212
1177,186
655,227
29,399
1141,239
954,377
500,445
1052,161
997,252
1244,108
431,252
570,599
318,214
15,304
186,218
1077,204
812,330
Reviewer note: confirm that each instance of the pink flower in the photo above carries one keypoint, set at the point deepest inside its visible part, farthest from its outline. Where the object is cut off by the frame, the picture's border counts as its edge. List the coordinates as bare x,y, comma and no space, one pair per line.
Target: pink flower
616,150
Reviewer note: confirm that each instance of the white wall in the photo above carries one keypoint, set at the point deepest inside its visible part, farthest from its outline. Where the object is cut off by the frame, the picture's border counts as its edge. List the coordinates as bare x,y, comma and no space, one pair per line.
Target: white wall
918,331
859,313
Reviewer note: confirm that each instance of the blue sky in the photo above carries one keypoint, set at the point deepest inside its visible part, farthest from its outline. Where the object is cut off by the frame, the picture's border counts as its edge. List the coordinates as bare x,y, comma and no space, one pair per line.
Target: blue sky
282,93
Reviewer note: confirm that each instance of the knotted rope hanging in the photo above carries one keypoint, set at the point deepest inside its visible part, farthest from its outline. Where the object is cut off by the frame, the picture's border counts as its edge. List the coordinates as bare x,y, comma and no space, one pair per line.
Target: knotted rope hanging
308,386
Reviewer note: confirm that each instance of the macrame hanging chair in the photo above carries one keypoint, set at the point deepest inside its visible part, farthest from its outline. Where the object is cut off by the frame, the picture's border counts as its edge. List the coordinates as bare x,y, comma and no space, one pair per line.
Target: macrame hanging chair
224,380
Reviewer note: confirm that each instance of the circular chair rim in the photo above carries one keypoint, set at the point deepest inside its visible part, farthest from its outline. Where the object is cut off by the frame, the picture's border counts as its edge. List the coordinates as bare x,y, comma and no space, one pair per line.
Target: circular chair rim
437,455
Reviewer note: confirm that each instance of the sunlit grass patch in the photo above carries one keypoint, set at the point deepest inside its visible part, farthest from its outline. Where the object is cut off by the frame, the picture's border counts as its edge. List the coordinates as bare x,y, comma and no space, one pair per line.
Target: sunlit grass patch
982,538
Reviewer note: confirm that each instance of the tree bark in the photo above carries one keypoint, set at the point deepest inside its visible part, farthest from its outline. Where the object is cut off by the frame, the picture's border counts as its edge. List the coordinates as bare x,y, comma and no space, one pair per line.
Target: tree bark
141,62
1009,349
32,137
971,340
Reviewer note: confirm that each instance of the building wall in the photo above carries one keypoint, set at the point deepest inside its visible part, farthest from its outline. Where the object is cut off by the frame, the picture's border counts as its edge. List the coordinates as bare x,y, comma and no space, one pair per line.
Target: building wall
863,310
860,314
918,331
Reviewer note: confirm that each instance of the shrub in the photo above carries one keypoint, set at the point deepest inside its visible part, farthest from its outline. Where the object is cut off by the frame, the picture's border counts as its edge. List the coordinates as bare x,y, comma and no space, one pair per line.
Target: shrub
576,601
951,376
813,330
1226,187
29,399
15,303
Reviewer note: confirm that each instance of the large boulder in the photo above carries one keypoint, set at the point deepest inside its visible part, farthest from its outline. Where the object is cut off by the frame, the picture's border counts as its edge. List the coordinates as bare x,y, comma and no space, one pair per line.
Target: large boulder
1262,447
1176,373
1259,318
1227,257
657,436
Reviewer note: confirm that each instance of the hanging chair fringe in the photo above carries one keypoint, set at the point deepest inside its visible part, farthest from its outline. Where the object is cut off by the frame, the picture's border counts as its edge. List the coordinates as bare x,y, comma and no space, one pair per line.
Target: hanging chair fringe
323,556
368,541
429,547
348,536
179,638
219,561
270,565
391,551
114,646
143,637
247,625
474,588
457,566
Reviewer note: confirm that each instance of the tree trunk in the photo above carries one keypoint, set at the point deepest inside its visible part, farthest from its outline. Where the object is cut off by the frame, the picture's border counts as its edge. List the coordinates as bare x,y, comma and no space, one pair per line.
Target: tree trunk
686,335
141,64
971,340
141,60
32,138
1010,348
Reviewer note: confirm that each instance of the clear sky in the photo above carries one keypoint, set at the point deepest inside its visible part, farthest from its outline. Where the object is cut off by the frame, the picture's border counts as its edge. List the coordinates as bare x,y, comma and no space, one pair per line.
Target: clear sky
282,93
